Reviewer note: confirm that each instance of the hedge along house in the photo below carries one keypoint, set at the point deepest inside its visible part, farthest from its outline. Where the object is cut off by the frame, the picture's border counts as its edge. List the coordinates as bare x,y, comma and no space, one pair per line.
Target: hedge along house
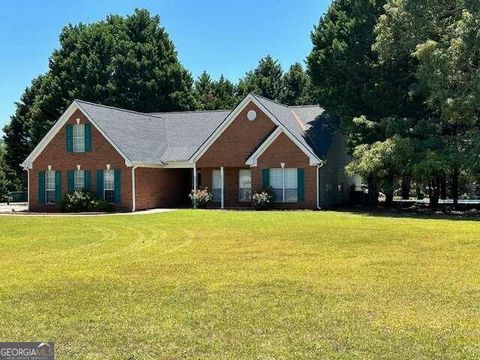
147,160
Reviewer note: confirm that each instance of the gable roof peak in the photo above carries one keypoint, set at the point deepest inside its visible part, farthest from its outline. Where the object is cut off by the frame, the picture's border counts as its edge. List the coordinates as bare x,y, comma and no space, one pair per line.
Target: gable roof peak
188,111
267,99
80,102
282,104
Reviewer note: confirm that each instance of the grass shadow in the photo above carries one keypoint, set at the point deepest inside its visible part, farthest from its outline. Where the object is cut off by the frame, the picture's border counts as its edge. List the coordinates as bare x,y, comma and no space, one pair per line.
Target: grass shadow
417,213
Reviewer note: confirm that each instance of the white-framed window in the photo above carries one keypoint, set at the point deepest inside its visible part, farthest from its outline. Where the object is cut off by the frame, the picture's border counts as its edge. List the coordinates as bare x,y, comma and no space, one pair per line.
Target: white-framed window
276,182
199,179
78,179
245,184
79,138
50,187
109,185
216,185
291,185
285,184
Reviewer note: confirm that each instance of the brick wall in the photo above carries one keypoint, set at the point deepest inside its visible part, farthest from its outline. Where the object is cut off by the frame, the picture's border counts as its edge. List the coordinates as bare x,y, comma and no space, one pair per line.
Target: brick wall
238,141
170,187
284,150
231,184
102,153
281,150
161,187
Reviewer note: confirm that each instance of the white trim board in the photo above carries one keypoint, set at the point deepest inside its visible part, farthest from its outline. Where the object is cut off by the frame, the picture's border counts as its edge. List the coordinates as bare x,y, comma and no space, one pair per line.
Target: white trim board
168,165
28,163
252,160
233,115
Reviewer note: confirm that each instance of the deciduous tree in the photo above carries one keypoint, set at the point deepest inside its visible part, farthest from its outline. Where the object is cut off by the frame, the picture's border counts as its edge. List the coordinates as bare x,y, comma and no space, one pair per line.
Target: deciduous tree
442,39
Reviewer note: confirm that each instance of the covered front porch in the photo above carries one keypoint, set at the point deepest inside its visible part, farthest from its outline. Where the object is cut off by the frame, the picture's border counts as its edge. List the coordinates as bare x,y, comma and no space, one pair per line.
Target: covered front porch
231,187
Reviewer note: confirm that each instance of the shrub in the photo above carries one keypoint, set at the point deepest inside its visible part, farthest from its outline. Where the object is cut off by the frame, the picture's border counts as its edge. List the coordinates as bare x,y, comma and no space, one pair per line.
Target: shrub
81,200
200,198
101,205
264,199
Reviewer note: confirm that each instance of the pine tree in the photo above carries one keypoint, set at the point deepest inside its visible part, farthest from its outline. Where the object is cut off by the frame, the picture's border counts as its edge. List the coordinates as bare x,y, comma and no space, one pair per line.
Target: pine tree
342,63
265,80
214,95
297,89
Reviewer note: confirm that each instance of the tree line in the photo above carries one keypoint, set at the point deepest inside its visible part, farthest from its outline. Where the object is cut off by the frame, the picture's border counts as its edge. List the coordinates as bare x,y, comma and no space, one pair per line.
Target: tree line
408,96
404,77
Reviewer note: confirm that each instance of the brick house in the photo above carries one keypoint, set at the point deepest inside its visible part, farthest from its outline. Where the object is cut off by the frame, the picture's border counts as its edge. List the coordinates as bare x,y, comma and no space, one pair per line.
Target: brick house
147,160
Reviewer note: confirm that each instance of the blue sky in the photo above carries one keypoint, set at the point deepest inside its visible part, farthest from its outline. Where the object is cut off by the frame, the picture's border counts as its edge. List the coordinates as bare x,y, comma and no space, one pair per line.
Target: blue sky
221,37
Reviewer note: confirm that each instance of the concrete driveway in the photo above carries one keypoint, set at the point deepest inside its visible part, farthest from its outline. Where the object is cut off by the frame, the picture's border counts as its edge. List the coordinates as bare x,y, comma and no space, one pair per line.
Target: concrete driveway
13,207
23,207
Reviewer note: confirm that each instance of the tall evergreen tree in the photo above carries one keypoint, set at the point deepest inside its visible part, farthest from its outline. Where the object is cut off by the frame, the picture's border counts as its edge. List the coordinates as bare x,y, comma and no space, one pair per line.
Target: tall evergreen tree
265,80
375,99
3,175
342,68
204,92
214,95
297,89
342,63
226,93
124,61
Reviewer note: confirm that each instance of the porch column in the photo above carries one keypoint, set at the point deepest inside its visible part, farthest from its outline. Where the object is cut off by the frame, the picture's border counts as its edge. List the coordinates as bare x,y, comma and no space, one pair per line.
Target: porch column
28,189
194,176
223,188
134,206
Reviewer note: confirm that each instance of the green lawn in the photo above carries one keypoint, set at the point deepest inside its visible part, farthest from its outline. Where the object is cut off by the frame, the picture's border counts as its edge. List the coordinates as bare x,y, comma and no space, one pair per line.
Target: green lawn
242,285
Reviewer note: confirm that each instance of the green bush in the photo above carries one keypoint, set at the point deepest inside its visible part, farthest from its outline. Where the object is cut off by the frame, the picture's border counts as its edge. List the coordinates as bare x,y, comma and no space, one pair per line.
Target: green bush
264,199
81,201
200,198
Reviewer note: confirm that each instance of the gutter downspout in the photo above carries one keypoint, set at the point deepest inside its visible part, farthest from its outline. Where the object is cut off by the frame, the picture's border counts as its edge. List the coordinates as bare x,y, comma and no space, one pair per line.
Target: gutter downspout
133,189
194,181
194,176
28,189
222,202
318,184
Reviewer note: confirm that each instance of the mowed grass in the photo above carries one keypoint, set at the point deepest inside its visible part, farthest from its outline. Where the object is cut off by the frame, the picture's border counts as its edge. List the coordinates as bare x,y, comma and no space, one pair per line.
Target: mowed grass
242,285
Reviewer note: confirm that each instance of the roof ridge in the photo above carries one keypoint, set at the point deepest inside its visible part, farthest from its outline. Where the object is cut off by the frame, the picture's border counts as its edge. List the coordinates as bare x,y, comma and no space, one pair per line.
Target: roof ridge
300,106
187,111
113,107
273,101
302,126
154,114
284,105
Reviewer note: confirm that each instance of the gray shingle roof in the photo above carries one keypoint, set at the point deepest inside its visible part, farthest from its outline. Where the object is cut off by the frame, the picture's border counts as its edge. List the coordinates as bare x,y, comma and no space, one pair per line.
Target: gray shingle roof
319,127
175,136
186,131
140,137
157,137
310,124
